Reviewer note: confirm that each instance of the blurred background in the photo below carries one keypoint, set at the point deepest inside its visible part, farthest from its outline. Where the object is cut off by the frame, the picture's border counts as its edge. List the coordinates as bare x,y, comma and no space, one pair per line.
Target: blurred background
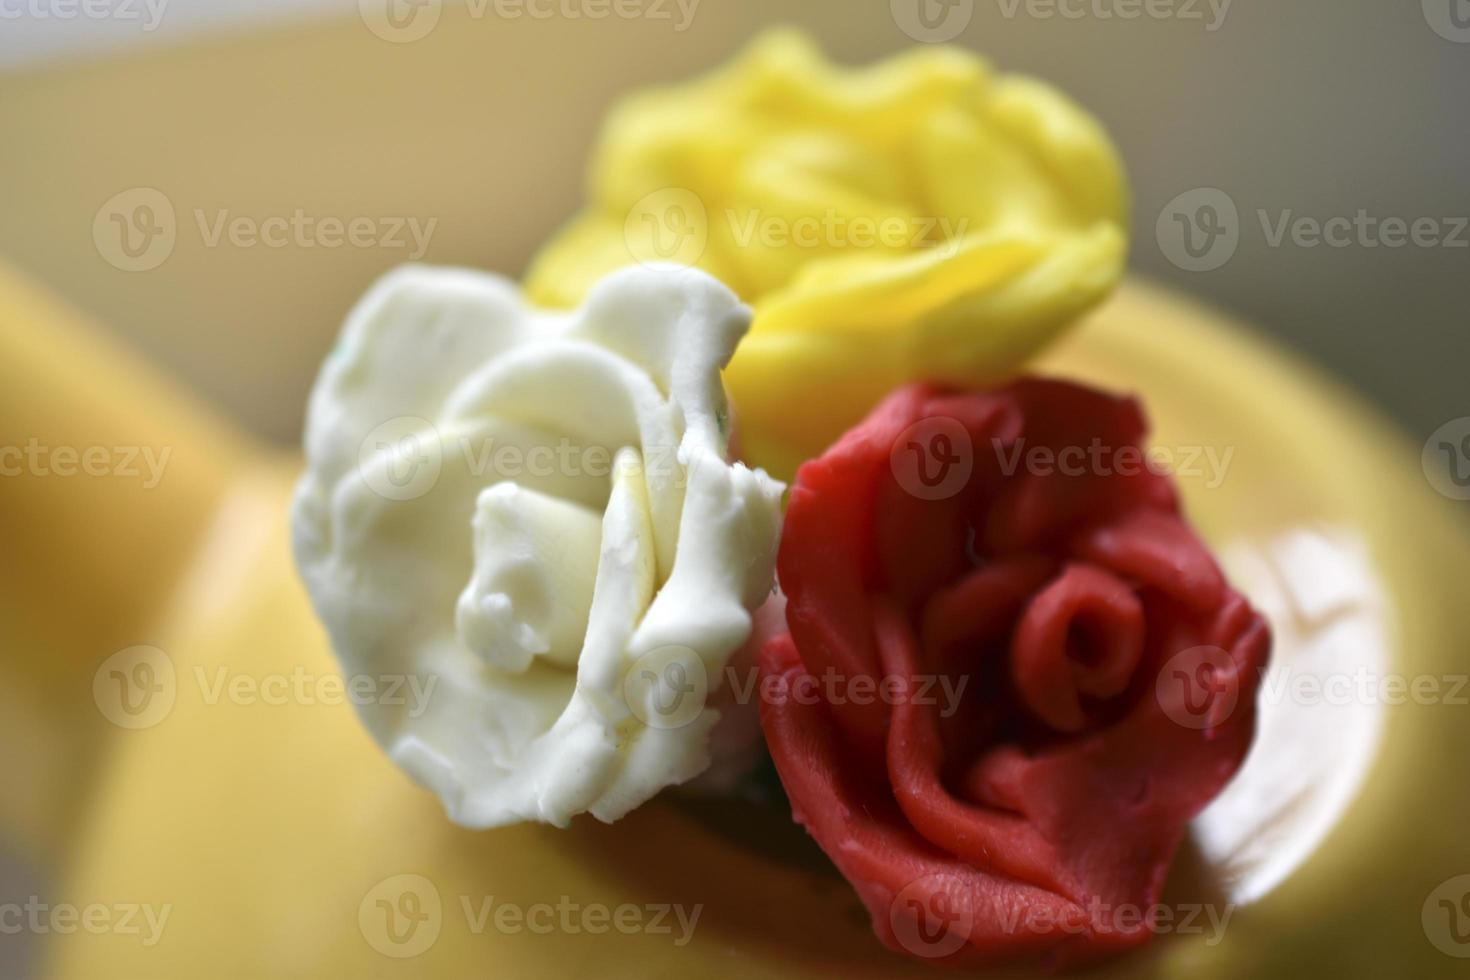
1300,164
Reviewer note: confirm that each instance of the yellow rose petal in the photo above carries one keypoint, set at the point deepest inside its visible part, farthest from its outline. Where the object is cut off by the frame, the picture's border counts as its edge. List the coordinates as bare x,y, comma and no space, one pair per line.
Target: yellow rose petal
922,219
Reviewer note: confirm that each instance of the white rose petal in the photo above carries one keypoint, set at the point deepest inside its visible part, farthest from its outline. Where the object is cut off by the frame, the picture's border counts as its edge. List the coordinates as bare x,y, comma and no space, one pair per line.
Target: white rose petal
529,508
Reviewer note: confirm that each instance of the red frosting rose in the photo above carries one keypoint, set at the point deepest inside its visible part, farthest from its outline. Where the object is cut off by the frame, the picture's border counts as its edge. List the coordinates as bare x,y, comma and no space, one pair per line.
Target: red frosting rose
1013,673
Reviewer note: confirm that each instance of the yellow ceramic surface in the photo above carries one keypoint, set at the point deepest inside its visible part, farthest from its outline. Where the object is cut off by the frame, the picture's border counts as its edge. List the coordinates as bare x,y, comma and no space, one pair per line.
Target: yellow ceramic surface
919,218
279,836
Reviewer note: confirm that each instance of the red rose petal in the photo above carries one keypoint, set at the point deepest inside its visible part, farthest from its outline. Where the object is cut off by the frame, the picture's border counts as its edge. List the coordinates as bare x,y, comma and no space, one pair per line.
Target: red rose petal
921,901
1101,676
1051,673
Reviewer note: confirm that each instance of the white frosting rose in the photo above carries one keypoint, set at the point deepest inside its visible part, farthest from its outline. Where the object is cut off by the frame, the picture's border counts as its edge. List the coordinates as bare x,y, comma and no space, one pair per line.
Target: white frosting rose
534,512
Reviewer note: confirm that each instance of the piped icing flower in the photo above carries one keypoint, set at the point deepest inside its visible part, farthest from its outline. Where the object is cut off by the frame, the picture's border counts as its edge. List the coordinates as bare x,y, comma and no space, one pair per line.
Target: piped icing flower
1013,548
534,516
920,219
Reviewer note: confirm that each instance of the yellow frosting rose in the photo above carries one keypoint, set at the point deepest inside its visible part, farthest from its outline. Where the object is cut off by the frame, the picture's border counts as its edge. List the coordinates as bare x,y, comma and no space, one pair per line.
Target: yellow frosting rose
922,218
